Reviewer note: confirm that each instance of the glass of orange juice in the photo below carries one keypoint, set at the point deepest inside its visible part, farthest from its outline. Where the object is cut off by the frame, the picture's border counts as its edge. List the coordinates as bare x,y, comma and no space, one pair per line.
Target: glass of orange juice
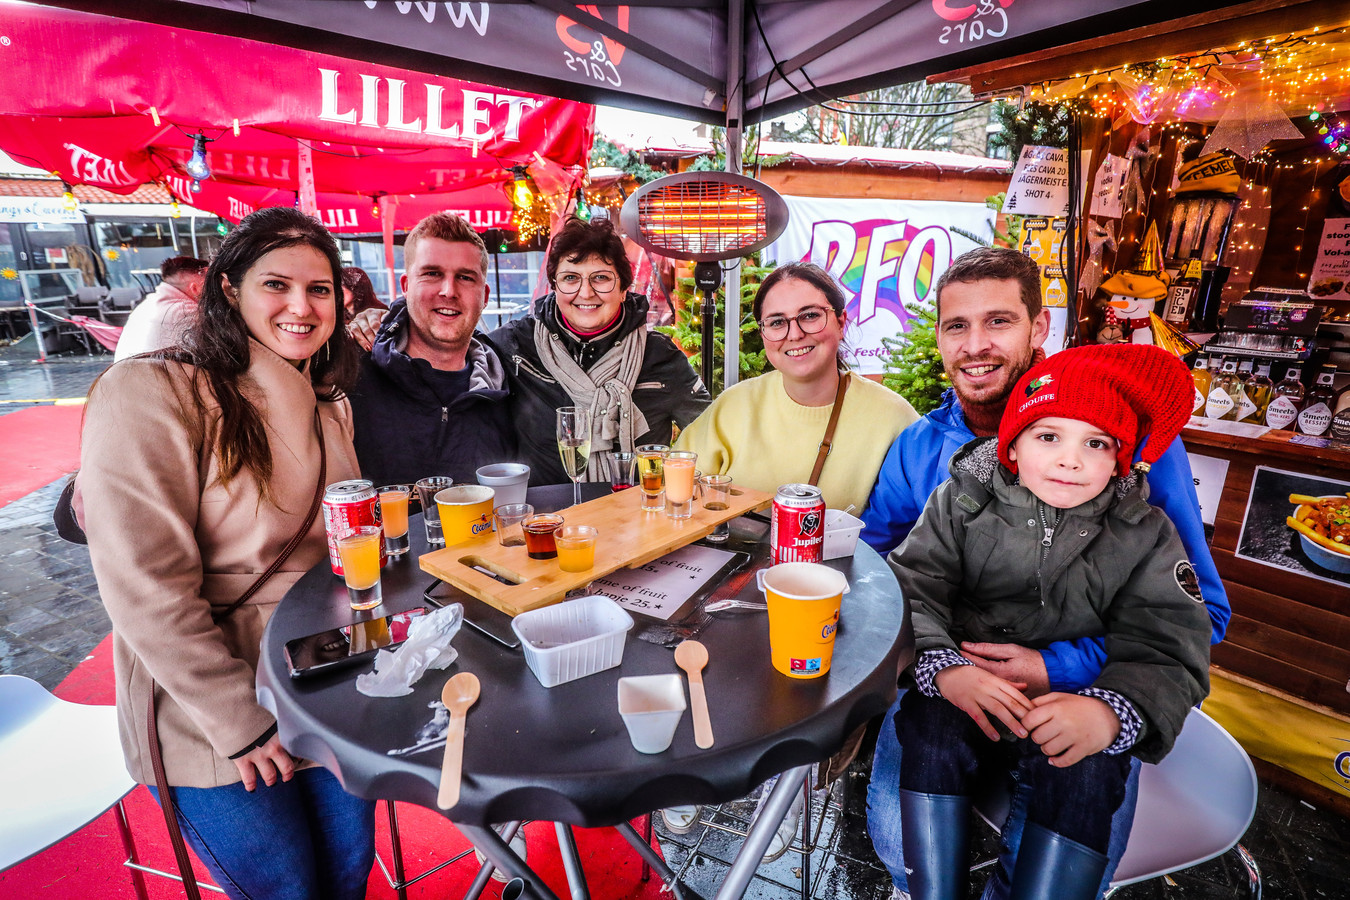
679,474
394,514
360,552
576,547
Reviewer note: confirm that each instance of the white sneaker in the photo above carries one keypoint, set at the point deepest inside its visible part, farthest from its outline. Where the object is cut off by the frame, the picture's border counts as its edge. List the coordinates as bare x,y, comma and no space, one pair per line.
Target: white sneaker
782,838
518,847
681,819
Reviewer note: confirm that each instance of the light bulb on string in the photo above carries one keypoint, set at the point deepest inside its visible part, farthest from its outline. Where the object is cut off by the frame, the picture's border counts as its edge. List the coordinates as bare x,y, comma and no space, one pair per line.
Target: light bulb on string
174,210
520,192
221,228
197,166
583,210
68,196
375,206
196,186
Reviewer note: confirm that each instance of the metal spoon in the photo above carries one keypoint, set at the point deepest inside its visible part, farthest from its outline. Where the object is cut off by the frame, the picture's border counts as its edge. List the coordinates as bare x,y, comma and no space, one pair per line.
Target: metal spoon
692,656
458,695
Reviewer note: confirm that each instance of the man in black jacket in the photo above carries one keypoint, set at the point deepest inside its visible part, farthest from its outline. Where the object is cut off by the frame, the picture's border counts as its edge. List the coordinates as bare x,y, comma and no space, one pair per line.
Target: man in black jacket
431,397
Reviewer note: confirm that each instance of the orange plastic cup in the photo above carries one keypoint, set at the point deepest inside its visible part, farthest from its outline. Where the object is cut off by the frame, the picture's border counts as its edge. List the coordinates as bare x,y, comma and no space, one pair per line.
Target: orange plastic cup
466,512
804,601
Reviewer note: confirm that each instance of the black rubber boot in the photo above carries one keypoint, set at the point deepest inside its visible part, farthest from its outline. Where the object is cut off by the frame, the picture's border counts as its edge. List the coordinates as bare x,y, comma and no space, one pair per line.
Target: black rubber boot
936,836
1052,867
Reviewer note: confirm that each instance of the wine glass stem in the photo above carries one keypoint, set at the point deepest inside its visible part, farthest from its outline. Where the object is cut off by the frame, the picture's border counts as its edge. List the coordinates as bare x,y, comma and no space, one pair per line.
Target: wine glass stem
576,492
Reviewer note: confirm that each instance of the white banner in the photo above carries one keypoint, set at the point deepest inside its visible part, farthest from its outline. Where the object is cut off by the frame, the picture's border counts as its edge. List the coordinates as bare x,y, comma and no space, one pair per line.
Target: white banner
884,253
38,209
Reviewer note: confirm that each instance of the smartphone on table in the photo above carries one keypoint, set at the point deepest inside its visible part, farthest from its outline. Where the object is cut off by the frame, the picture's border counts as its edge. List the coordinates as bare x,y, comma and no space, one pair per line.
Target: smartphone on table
348,646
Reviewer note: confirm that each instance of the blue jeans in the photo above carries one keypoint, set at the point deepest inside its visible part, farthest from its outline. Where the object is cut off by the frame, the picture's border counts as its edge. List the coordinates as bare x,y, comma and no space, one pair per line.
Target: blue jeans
883,817
304,839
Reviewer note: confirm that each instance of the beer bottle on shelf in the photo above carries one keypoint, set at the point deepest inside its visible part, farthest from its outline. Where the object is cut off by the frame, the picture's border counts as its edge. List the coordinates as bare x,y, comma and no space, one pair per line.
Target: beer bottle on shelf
1222,393
1201,376
1182,294
1256,393
1340,417
1315,417
1286,399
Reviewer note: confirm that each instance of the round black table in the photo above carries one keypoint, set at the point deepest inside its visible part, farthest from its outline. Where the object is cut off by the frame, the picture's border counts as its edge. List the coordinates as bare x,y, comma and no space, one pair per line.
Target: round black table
562,753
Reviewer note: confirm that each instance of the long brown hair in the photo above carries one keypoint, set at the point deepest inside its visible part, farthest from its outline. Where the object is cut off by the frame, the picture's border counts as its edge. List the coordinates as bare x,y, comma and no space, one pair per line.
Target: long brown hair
217,346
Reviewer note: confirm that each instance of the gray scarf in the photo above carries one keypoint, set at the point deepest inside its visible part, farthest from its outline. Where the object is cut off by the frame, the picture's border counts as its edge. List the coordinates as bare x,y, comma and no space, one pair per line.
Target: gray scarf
606,390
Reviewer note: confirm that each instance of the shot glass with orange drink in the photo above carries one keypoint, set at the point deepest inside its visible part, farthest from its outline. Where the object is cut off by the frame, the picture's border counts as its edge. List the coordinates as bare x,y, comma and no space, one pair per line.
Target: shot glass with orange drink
360,552
576,547
394,514
679,478
649,463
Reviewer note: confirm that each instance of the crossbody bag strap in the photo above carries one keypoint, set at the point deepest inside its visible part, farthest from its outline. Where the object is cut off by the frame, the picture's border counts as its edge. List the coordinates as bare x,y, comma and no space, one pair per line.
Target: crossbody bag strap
166,803
827,443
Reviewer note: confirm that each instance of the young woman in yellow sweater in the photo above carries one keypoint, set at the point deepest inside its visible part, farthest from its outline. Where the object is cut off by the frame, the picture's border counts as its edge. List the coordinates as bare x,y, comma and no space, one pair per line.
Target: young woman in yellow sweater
766,432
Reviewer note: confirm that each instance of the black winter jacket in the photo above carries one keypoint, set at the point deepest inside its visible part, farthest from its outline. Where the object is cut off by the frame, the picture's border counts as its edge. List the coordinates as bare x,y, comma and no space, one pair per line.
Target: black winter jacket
668,390
410,423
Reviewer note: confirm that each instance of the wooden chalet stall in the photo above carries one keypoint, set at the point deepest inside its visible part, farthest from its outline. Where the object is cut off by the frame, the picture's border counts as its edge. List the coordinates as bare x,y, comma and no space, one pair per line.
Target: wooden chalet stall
1256,254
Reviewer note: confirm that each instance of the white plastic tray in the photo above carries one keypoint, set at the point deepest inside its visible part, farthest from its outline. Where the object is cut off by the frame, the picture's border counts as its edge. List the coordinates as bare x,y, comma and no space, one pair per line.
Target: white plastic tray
573,639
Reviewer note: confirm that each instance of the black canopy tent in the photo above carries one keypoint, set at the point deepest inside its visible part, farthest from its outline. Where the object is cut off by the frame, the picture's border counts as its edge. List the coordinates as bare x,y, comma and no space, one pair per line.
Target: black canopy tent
724,62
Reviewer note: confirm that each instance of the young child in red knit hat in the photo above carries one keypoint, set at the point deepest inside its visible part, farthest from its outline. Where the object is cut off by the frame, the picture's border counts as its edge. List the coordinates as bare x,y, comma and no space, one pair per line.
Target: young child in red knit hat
1042,535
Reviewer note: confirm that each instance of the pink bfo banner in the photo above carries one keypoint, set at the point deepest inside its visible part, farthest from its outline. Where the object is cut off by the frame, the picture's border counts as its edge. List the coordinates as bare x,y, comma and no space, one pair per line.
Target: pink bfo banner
883,253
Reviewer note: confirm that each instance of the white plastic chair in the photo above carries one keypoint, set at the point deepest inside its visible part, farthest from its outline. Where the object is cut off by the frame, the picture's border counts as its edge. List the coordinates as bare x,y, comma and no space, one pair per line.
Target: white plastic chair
60,769
1193,806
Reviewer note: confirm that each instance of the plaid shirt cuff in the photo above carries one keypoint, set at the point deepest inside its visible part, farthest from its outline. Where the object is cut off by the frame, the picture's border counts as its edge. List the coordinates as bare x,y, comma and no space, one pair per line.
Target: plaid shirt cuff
1130,722
932,662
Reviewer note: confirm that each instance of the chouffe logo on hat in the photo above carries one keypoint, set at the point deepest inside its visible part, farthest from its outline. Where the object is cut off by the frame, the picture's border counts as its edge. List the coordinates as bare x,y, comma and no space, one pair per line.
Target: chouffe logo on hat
1043,381
1034,391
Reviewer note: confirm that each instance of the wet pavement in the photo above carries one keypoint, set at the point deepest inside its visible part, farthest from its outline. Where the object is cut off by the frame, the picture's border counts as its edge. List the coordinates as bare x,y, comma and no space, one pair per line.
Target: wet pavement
50,617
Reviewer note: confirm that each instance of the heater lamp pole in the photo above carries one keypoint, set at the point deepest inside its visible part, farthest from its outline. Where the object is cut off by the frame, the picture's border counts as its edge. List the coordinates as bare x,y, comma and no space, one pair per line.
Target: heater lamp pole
708,278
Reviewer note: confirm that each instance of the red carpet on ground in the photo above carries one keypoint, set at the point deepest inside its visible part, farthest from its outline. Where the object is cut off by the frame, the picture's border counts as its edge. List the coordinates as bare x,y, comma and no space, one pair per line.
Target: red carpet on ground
38,445
89,862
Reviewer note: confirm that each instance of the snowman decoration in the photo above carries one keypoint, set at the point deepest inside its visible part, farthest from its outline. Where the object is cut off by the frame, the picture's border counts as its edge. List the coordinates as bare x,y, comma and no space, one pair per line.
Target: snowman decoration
1132,295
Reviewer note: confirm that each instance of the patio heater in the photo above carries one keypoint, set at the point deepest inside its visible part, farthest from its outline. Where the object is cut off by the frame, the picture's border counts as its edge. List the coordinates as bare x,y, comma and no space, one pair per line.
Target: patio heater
705,217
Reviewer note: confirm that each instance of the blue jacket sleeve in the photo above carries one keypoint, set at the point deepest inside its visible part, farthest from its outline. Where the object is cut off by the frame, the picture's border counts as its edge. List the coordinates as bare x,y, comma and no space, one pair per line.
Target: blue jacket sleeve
1073,665
894,505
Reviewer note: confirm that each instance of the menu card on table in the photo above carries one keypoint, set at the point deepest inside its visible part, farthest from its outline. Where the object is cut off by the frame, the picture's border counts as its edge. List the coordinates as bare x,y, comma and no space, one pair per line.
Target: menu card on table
663,585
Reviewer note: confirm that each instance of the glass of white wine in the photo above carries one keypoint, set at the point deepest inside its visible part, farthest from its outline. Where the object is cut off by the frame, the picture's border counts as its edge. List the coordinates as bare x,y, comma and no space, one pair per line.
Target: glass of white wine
574,445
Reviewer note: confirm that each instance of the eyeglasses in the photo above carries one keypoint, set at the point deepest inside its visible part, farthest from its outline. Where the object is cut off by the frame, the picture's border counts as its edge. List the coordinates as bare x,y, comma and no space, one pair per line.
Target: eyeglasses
570,282
811,321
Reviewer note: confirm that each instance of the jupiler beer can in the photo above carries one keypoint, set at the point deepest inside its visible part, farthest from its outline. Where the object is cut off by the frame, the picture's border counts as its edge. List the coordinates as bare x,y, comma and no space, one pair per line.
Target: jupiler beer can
348,505
797,528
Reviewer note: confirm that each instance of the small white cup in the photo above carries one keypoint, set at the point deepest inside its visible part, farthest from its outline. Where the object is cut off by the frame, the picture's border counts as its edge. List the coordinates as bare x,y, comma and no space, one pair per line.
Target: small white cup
508,480
651,706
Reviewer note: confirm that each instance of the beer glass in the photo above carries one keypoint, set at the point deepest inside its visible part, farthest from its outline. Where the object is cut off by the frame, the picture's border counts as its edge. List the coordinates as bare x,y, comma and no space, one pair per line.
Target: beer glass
427,489
360,552
678,469
650,471
394,514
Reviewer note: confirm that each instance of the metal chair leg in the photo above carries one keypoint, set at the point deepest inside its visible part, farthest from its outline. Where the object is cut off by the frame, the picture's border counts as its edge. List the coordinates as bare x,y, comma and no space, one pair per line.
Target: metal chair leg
129,845
396,849
647,836
571,860
1253,872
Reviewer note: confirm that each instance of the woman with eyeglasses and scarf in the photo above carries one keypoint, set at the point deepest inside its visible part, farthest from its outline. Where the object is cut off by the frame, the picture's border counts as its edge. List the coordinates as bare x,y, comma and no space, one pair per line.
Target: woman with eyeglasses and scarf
587,345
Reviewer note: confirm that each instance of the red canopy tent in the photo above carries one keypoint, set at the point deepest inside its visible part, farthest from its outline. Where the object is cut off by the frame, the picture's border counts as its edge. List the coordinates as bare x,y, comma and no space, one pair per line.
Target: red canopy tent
365,147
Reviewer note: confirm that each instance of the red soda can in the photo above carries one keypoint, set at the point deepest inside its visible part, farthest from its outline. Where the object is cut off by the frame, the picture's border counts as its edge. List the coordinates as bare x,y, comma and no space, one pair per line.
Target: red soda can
797,527
348,505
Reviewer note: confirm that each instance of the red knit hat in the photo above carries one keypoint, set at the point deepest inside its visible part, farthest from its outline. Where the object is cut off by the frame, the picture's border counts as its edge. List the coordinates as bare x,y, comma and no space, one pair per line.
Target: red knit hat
1130,391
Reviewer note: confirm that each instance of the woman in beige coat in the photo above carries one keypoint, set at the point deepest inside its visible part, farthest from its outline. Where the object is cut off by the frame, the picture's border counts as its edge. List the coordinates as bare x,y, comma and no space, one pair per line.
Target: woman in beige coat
198,465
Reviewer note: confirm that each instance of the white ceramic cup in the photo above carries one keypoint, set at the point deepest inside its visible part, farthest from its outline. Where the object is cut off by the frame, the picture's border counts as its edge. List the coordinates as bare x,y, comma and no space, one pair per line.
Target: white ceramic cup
651,706
508,480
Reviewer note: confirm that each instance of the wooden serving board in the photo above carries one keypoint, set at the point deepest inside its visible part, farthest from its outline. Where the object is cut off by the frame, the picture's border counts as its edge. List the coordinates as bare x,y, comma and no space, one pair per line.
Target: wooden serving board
628,537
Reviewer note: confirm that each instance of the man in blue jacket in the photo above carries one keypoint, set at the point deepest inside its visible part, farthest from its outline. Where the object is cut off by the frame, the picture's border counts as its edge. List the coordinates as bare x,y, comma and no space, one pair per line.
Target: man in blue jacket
990,329
431,395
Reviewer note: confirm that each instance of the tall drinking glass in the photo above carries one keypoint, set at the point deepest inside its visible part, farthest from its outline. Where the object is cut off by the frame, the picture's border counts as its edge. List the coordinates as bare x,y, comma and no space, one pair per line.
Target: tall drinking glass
427,489
574,445
394,514
650,467
360,553
679,477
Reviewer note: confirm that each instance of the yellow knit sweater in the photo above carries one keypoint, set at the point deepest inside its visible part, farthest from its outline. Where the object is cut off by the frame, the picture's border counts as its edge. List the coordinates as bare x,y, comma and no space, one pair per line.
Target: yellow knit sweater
758,435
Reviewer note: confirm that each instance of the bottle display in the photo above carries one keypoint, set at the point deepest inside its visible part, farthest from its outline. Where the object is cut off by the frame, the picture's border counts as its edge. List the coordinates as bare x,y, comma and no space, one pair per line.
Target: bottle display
1223,391
1286,400
1201,376
1340,417
1315,417
1256,396
1182,294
